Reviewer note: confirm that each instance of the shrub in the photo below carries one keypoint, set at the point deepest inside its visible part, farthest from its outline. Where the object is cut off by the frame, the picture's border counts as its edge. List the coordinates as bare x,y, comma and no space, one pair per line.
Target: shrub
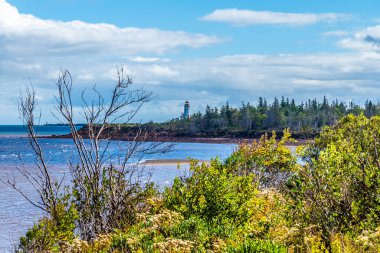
338,188
249,246
51,234
268,159
214,194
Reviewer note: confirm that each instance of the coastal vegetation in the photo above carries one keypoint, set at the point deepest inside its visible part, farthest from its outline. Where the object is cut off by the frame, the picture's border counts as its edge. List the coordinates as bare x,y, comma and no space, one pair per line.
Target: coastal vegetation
305,120
248,120
260,199
324,197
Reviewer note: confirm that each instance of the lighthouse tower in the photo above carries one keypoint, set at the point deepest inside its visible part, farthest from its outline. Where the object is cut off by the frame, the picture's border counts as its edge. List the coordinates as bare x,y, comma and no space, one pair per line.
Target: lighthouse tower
186,110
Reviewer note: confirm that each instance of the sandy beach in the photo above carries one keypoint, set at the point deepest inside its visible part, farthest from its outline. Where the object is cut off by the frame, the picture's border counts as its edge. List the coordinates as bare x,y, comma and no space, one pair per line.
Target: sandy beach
161,162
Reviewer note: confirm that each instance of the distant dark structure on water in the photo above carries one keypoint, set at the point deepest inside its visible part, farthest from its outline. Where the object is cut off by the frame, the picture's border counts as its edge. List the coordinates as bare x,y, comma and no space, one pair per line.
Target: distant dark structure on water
186,110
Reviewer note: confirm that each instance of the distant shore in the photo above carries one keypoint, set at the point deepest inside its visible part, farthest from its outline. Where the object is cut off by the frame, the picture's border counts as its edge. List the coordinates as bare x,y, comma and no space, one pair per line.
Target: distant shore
185,139
163,133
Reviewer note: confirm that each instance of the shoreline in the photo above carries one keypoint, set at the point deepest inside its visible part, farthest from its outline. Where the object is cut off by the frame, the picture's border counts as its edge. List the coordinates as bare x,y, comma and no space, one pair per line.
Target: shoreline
170,162
209,140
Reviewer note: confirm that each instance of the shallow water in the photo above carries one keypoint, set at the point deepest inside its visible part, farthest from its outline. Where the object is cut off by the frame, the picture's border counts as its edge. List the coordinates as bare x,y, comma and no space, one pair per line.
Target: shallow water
17,215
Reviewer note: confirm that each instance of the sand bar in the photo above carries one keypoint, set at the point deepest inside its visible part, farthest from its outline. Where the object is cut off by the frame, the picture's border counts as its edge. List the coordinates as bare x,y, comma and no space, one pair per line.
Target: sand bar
169,161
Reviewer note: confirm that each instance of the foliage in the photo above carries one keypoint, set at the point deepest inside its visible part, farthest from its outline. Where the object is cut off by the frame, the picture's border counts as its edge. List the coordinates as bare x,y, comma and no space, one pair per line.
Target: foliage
222,200
257,246
213,193
268,159
258,200
51,234
304,119
212,200
338,188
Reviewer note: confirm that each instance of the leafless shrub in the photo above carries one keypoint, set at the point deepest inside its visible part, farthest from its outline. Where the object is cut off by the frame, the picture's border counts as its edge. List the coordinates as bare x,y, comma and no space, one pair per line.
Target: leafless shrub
106,194
48,190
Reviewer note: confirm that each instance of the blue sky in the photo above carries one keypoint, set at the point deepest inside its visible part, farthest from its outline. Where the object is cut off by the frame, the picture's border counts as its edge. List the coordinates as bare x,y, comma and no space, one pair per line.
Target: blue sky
207,52
184,15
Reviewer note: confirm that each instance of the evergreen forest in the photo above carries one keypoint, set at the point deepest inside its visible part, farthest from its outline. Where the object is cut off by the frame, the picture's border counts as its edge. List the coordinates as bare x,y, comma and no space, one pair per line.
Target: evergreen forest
304,119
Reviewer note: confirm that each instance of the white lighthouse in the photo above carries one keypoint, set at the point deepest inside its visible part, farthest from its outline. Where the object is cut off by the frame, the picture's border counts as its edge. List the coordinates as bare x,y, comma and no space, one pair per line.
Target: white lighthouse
186,110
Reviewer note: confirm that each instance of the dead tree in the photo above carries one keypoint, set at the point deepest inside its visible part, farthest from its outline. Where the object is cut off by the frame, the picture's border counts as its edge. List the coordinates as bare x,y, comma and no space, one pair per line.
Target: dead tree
107,195
48,190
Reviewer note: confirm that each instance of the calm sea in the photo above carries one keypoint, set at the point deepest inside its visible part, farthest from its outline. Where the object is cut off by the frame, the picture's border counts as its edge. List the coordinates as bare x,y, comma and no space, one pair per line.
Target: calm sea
17,215
19,130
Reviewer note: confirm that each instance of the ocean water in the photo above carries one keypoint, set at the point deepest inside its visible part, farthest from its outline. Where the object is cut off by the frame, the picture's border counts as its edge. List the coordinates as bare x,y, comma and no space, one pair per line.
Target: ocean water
17,214
19,130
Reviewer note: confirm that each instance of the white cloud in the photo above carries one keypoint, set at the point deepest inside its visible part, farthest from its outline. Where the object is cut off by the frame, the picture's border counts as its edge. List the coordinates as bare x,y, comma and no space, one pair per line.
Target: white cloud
246,77
234,78
336,33
251,17
36,49
365,40
140,59
84,76
163,71
23,34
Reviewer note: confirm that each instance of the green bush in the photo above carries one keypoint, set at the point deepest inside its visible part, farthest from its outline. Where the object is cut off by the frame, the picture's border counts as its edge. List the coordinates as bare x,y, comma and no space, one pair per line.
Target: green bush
249,246
338,187
271,161
213,193
51,234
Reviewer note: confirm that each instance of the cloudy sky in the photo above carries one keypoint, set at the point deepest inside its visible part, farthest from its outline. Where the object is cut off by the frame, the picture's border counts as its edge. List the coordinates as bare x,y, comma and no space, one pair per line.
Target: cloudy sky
204,51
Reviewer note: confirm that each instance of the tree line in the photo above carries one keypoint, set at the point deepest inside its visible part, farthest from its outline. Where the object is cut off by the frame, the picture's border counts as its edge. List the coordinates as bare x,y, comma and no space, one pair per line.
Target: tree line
249,120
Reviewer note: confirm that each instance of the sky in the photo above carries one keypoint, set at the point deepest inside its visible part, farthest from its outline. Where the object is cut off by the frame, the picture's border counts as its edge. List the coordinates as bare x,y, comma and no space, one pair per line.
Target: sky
204,51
